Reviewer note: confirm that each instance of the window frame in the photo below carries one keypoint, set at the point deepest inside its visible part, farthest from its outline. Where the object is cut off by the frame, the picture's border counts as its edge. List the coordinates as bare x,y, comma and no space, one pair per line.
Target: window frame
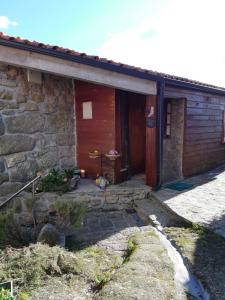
223,128
168,113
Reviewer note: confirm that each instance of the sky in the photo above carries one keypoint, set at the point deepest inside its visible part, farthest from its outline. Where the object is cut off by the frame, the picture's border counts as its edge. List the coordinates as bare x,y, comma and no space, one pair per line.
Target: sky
180,37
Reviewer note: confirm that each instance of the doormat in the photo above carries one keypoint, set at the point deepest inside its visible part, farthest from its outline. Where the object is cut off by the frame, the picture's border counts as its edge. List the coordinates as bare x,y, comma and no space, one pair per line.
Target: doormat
178,186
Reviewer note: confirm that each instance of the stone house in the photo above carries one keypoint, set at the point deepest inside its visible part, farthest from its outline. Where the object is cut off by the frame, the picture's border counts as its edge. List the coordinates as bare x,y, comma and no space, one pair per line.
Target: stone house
57,105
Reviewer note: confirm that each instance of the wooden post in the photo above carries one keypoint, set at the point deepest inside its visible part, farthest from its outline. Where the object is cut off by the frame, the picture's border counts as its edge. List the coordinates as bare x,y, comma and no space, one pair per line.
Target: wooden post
151,141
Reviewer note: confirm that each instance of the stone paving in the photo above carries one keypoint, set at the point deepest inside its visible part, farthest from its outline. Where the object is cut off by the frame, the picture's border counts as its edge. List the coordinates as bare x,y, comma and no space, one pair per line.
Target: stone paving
204,203
110,230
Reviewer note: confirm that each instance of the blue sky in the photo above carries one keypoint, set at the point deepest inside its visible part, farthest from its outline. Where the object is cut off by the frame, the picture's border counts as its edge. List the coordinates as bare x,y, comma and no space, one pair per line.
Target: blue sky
181,37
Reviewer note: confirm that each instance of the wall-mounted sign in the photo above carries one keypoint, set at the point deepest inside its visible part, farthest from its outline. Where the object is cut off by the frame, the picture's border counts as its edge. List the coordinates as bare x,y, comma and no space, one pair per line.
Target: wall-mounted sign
87,110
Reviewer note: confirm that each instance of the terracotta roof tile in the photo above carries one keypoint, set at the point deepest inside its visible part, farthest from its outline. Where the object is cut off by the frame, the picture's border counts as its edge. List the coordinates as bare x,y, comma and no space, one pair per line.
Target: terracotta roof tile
72,52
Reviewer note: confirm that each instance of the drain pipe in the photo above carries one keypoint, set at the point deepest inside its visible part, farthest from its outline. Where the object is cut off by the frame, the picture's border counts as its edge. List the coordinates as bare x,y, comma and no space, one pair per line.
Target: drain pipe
160,131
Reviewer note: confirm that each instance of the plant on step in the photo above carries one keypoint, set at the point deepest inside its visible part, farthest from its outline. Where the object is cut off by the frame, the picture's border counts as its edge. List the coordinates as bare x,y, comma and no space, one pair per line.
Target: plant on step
68,213
5,295
9,233
57,181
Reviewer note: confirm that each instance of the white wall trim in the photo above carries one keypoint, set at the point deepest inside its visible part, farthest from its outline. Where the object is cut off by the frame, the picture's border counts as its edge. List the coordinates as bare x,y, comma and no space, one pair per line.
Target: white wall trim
75,70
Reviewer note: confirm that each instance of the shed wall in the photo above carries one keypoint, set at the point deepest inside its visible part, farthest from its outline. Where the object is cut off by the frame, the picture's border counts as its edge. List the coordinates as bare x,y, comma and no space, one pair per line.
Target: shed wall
97,133
36,126
203,149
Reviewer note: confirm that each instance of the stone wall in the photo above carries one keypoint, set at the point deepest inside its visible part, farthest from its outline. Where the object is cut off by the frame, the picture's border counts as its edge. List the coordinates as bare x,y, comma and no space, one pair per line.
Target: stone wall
173,145
36,126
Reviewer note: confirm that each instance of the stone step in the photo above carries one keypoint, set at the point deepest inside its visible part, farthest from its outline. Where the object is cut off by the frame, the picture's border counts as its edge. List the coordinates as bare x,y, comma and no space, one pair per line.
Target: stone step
151,211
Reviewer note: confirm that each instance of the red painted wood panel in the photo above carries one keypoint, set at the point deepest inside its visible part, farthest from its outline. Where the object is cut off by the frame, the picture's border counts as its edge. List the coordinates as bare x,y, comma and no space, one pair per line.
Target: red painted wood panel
96,133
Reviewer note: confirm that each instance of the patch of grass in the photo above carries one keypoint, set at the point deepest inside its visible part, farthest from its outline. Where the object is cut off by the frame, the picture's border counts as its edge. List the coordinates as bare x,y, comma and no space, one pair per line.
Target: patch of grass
29,267
23,296
131,247
102,279
182,241
199,229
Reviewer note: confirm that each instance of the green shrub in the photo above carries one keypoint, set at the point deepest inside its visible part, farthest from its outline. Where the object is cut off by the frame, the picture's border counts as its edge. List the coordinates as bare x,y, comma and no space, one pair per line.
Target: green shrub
69,213
5,295
57,181
9,234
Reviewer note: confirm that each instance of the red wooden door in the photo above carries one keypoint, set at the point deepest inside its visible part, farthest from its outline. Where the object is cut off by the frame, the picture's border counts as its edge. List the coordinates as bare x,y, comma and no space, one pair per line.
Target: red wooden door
137,133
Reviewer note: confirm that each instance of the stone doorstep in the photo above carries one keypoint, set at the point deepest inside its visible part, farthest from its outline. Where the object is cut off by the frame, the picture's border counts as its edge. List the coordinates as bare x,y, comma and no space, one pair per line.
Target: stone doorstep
153,212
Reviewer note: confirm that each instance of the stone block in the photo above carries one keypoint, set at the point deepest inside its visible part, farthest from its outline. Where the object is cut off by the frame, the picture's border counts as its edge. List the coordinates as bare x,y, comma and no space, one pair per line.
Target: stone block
8,105
10,144
24,171
8,83
8,112
9,188
27,123
21,98
66,151
2,165
6,95
3,177
65,139
112,199
59,123
48,108
36,97
30,106
2,127
46,140
125,200
48,159
14,159
68,162
12,72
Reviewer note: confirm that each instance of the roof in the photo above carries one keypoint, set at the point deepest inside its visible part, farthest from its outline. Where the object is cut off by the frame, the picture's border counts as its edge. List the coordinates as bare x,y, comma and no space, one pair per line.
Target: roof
84,58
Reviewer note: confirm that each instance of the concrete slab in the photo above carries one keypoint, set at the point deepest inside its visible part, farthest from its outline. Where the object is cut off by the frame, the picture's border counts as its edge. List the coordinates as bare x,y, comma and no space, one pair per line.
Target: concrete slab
204,203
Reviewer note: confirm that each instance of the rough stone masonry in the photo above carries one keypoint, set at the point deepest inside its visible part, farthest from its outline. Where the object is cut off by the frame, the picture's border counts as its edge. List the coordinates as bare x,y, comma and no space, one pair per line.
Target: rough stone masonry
37,130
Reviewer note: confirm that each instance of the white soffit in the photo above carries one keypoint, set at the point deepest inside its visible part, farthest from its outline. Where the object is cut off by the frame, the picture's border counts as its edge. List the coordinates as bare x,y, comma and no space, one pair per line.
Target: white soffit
49,64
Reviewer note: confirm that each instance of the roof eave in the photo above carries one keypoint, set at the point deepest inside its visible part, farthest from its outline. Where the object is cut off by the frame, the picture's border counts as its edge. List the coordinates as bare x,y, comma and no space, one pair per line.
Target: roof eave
113,67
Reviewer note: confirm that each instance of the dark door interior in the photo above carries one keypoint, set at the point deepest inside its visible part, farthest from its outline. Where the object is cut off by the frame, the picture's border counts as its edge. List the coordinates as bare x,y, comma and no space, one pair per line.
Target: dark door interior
131,134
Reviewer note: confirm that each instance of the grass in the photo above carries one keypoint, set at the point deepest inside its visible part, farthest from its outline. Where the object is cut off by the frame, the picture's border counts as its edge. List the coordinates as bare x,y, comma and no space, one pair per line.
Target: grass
131,247
30,266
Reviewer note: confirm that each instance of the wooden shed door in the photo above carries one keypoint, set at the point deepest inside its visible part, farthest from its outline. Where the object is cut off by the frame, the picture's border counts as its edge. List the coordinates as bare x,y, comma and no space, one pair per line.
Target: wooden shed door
137,133
131,134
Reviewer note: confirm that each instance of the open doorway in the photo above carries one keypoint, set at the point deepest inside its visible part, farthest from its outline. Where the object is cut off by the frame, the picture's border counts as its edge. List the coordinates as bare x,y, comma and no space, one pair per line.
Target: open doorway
130,134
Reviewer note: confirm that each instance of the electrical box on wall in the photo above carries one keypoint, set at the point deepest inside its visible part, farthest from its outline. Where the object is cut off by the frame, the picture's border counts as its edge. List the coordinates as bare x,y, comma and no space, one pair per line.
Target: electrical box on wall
87,110
34,76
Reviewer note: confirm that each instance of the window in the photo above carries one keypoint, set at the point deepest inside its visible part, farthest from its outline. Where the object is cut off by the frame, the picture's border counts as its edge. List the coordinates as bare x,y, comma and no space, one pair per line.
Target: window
168,119
223,128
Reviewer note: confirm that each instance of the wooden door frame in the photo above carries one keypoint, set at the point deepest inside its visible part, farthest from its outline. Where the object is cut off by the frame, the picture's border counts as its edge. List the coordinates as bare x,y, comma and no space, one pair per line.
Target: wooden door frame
151,142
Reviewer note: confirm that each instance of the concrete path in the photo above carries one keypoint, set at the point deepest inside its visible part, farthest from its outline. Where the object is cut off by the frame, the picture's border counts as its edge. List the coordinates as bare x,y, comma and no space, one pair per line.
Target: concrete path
204,203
